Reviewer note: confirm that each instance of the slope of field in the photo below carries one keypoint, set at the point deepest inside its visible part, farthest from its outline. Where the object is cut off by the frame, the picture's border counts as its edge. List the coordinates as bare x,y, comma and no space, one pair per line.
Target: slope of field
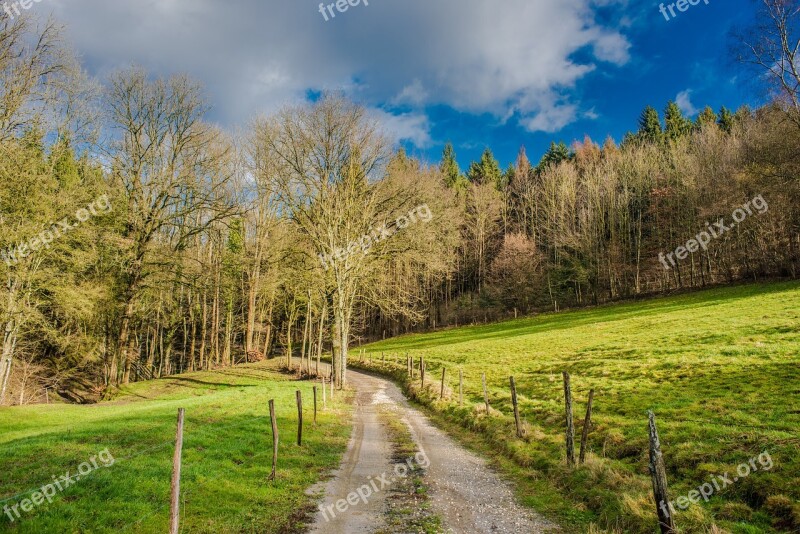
227,456
720,369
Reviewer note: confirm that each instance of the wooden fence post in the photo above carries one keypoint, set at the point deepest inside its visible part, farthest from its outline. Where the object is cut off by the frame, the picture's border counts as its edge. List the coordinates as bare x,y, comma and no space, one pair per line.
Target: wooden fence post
324,394
587,423
485,393
516,407
331,390
274,439
299,418
570,424
659,473
315,405
422,370
441,392
175,487
460,387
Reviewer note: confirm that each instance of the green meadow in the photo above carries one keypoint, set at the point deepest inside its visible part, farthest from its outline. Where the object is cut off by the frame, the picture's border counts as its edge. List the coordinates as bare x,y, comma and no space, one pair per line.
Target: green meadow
720,369
227,455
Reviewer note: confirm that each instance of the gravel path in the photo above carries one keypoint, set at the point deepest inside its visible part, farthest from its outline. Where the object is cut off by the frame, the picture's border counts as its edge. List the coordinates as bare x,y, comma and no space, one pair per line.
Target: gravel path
464,492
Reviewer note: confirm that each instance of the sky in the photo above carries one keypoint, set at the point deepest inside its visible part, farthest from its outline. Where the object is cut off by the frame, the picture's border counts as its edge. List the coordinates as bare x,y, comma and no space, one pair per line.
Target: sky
477,73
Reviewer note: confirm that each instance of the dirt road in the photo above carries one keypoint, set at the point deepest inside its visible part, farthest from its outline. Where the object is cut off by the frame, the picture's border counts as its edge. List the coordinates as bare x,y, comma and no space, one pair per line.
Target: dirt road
463,492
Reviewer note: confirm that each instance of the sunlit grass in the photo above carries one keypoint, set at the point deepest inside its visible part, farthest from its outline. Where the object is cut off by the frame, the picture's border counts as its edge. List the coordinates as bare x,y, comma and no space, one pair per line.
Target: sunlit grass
227,456
720,369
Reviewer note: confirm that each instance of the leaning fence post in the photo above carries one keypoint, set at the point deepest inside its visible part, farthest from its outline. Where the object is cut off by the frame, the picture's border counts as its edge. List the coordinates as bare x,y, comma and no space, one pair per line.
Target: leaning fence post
485,393
422,370
659,473
441,392
516,407
274,439
299,418
460,387
175,501
570,423
587,423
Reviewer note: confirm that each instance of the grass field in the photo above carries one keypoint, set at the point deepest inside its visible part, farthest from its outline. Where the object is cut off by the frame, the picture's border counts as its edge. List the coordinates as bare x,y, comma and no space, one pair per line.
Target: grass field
227,456
720,369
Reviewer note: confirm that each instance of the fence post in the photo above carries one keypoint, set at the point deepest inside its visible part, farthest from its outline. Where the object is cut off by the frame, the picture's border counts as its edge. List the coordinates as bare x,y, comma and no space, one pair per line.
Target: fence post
422,370
516,407
587,423
315,405
460,387
331,389
659,474
570,424
485,393
274,439
299,418
175,486
324,394
441,392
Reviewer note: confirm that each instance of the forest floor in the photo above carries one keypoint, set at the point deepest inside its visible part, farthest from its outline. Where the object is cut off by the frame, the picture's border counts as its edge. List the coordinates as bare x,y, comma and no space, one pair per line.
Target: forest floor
719,368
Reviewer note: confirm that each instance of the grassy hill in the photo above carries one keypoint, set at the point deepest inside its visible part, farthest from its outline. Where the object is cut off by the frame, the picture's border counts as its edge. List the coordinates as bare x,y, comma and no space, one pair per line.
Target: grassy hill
720,369
227,456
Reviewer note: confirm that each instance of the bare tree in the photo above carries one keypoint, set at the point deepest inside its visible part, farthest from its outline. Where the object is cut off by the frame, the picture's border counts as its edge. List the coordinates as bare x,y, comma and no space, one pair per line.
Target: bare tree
772,44
175,170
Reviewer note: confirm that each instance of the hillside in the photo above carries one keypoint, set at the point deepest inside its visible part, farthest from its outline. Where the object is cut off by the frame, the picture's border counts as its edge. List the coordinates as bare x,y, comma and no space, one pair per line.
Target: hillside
719,368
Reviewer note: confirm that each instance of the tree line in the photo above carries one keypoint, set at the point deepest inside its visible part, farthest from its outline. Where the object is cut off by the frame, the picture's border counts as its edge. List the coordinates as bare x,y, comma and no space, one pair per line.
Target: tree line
309,231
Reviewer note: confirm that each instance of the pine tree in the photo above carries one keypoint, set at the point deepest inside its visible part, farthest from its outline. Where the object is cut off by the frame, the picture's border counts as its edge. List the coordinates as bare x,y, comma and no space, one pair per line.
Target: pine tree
486,171
554,155
725,119
707,116
650,126
677,125
449,166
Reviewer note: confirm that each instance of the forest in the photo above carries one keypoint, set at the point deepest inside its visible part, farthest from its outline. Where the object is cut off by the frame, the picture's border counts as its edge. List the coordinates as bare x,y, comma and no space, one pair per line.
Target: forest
141,240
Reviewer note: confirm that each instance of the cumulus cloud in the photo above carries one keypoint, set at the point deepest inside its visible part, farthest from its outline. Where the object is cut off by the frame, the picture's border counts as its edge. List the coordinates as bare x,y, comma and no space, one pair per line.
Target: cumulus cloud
513,59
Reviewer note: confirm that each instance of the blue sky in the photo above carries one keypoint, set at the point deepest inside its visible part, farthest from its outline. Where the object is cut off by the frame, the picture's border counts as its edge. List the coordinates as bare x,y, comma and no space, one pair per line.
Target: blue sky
475,72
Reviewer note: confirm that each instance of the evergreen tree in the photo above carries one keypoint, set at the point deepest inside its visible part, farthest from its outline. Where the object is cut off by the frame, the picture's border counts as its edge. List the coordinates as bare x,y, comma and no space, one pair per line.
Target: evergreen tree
725,119
650,126
554,155
677,125
707,116
449,166
485,171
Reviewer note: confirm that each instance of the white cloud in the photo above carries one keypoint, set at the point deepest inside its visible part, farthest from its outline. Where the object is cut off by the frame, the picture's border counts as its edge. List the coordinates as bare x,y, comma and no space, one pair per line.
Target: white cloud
511,59
413,127
684,102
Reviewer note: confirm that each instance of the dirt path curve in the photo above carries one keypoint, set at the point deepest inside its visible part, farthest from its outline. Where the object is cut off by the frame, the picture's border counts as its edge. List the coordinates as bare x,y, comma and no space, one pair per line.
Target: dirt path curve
464,492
